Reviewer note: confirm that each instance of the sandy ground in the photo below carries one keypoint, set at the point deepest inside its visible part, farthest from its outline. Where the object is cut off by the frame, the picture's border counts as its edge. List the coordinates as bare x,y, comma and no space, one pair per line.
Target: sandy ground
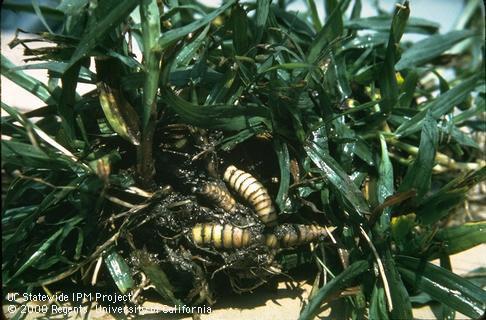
282,304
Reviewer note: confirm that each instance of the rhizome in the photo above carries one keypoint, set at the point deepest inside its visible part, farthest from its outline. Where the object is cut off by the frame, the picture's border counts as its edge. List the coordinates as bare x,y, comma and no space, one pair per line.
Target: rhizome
215,220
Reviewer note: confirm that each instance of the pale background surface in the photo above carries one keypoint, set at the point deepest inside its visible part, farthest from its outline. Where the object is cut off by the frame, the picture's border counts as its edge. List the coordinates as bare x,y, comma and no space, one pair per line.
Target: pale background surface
284,304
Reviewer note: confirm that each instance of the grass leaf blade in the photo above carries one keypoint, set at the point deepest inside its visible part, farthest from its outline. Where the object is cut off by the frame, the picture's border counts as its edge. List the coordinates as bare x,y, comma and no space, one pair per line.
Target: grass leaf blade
173,35
25,81
430,48
338,178
100,30
420,172
444,286
388,79
441,105
337,284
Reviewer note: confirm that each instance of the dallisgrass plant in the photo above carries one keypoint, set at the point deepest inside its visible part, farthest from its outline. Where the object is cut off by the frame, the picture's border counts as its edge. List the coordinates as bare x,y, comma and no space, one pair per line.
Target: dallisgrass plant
351,127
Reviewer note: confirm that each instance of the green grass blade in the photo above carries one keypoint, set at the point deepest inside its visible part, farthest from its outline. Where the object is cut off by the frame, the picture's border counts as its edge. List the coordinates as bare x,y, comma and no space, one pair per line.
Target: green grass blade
459,136
50,12
218,116
385,183
441,105
26,155
438,205
446,312
356,12
343,84
378,309
480,107
158,278
284,163
460,238
150,18
176,34
40,15
311,4
343,280
382,23
293,21
444,286
67,101
25,81
407,90
189,51
420,172
58,67
262,10
101,29
388,79
402,307
119,271
38,254
338,178
240,27
367,41
332,29
289,66
430,48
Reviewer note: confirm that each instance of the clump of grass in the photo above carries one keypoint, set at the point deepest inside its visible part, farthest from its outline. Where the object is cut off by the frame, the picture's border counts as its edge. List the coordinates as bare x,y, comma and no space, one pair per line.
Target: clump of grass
367,133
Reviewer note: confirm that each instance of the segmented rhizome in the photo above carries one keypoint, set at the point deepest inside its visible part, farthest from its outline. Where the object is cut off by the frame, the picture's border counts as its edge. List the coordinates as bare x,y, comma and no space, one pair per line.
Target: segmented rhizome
223,221
230,237
252,191
223,236
215,193
291,235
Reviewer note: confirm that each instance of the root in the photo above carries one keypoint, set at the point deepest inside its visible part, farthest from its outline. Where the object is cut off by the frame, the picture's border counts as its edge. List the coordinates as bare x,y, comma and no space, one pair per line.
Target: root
236,288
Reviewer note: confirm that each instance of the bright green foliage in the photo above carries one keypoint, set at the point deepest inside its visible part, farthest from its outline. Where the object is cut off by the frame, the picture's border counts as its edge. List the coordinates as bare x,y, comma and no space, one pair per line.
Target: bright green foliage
382,140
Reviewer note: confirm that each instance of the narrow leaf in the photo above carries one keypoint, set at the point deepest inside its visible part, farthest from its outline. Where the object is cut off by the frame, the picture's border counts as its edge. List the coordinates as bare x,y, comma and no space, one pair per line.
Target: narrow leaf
25,81
343,280
240,30
444,286
407,90
284,164
378,308
439,204
387,79
314,15
382,23
402,307
263,7
119,113
441,105
100,29
430,48
188,52
217,116
420,172
338,178
50,12
150,17
67,100
333,28
173,35
119,271
159,279
38,254
460,238
385,185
